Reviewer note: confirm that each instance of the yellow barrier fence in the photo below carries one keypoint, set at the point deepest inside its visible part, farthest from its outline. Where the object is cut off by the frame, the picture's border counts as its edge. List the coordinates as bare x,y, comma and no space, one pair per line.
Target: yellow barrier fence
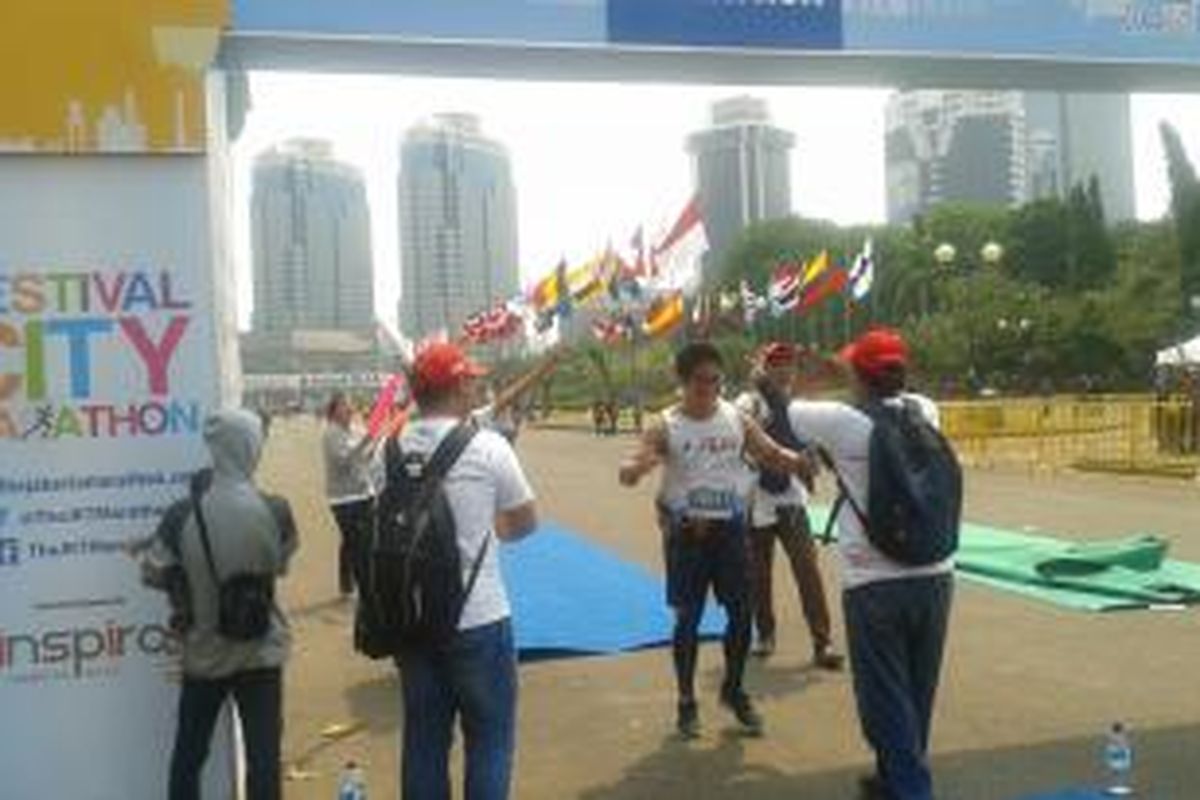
1136,433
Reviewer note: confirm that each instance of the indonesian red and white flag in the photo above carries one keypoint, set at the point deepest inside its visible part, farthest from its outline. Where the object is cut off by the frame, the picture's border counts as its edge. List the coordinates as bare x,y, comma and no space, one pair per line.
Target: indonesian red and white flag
608,330
676,259
784,290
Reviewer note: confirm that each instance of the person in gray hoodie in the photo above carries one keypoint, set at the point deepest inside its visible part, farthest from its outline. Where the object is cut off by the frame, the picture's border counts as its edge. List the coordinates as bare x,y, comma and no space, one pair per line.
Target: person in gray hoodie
248,532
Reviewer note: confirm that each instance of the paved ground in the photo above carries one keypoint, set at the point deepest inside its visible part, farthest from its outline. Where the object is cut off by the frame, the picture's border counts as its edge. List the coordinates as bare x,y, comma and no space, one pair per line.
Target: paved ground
1028,689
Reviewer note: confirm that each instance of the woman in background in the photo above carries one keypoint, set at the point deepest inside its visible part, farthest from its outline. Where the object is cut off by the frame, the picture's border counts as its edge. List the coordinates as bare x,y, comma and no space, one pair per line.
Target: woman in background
349,452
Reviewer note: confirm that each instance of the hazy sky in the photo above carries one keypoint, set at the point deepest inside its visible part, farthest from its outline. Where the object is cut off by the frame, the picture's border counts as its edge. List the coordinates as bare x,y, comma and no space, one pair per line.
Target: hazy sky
593,161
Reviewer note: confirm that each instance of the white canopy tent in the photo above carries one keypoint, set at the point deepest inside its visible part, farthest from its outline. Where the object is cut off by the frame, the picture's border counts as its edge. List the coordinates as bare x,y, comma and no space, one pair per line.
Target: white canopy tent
1181,354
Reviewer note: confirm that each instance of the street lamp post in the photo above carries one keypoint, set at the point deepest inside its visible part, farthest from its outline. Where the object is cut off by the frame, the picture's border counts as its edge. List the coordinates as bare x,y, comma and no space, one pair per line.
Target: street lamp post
991,254
943,256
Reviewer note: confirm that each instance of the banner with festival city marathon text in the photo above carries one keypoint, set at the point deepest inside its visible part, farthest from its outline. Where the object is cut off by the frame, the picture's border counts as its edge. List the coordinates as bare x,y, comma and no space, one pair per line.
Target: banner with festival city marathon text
107,368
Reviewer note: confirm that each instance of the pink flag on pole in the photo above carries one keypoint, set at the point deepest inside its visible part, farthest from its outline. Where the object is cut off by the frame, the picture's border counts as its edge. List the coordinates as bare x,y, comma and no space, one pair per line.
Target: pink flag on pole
381,412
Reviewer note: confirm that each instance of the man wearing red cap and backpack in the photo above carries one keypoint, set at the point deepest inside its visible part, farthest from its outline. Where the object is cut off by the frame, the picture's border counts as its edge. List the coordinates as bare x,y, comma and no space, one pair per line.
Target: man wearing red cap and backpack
900,496
454,491
777,511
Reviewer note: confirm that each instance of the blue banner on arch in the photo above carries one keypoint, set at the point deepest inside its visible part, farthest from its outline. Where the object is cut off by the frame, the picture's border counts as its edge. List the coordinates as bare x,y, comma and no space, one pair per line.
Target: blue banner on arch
791,24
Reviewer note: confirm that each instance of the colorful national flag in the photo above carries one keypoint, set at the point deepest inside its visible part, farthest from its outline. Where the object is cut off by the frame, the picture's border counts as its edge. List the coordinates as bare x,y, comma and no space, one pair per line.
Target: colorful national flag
562,290
676,259
664,313
473,327
862,272
829,282
608,331
816,268
783,293
394,392
548,292
501,321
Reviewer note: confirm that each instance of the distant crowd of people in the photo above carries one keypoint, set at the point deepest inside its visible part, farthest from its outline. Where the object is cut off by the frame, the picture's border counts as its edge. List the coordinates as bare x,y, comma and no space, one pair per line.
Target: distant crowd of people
423,504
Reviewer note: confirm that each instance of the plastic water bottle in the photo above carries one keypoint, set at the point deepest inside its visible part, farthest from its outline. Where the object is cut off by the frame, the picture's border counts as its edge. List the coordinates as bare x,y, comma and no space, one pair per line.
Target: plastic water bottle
1118,761
353,785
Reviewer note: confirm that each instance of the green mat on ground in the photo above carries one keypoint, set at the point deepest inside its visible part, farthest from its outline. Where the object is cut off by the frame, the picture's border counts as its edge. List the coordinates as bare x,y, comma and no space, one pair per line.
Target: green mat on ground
1132,572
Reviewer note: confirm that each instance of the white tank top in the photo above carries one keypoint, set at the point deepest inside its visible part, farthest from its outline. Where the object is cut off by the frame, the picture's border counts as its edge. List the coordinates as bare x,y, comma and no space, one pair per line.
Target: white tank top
705,474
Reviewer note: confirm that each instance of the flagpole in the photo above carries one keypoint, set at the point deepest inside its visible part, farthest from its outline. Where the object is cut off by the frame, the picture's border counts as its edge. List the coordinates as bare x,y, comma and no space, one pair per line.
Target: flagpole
633,379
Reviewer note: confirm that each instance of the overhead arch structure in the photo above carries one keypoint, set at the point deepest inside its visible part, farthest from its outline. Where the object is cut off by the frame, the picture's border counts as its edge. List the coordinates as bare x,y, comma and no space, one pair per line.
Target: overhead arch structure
117,330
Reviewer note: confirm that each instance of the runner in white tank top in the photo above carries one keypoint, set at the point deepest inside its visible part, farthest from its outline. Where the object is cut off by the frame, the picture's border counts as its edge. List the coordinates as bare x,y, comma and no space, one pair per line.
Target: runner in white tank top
705,474
700,443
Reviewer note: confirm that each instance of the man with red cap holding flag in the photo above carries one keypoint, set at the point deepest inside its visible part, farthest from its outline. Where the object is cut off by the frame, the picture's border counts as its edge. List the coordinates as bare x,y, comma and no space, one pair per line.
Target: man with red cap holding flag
777,511
896,603
473,676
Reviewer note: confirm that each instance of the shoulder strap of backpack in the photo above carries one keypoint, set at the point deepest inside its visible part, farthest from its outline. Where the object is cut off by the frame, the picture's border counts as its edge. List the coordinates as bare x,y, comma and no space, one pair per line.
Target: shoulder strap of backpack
197,496
170,527
476,568
446,454
843,497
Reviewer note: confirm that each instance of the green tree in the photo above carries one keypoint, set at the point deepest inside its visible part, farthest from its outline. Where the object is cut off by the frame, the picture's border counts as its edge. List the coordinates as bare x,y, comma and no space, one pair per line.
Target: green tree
968,227
1091,257
1038,246
760,247
1185,210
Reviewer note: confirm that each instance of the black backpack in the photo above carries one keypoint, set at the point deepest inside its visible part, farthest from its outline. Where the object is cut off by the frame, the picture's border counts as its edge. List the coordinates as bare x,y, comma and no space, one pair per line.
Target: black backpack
411,592
779,428
914,502
245,600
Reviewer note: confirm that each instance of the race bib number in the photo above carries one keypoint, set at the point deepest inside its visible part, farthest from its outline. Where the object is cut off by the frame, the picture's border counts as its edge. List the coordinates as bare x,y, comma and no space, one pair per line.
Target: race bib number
711,500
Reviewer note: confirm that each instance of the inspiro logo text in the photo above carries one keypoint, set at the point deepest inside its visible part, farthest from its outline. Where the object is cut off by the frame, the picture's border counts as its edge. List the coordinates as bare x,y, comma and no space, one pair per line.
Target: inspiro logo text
80,652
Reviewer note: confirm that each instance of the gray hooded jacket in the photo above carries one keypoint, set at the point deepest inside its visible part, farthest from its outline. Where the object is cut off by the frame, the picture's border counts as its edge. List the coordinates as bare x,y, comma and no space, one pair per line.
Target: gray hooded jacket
248,531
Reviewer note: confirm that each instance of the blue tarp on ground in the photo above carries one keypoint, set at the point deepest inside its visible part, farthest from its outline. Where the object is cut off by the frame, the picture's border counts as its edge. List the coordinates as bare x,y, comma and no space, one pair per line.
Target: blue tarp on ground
572,597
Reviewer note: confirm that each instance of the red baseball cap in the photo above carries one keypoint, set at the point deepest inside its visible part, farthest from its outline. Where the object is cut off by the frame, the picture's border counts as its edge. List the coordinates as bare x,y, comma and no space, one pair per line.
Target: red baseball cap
442,365
779,354
876,351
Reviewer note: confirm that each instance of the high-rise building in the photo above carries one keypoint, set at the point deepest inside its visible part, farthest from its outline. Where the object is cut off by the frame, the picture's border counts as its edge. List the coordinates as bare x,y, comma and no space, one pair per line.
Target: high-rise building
1005,148
311,239
742,172
1075,136
458,225
954,146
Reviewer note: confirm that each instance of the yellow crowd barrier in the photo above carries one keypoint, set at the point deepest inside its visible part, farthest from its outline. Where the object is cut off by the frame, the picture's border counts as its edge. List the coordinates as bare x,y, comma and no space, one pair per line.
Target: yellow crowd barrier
1119,433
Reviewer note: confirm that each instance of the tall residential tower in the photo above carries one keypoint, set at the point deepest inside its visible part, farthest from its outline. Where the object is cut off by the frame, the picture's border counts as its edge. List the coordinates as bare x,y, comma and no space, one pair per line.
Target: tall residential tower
742,172
311,240
1006,148
458,225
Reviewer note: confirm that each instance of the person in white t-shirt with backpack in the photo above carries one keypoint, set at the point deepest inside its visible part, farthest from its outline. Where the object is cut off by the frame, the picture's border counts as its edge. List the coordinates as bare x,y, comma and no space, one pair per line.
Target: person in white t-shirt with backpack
900,494
471,676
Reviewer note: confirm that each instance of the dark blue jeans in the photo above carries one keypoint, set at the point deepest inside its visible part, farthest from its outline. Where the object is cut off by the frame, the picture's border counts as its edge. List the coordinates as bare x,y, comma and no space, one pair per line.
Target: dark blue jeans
473,677
897,631
259,698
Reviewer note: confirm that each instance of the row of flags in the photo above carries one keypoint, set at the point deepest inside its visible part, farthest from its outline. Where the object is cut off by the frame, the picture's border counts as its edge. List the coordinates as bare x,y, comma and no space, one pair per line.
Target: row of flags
502,321
643,288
